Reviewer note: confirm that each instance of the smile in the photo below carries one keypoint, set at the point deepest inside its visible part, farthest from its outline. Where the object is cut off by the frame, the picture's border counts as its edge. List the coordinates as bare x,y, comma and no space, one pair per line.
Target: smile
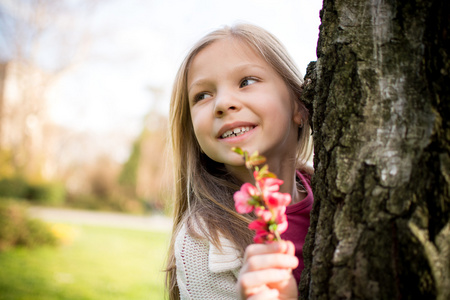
236,131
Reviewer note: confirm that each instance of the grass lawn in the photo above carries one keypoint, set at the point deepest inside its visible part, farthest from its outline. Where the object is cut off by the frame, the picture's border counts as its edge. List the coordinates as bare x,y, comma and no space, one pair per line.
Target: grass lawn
99,263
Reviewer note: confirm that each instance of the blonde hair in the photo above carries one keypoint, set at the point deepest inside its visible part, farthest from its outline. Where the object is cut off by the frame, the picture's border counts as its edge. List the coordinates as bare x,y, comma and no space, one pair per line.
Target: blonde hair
203,188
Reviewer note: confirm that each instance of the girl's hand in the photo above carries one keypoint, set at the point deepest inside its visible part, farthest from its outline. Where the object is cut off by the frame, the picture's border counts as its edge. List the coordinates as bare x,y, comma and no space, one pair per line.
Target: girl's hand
267,272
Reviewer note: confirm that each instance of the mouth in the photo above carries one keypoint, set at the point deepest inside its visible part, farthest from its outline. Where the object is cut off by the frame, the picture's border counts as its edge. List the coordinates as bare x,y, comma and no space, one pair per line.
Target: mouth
236,131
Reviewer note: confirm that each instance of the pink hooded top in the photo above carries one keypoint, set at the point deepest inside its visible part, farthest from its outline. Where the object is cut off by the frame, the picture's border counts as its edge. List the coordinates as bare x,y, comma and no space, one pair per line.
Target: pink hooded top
298,220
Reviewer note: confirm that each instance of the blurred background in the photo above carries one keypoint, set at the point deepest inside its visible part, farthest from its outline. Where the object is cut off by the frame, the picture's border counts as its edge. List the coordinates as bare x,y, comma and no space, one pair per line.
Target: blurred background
84,98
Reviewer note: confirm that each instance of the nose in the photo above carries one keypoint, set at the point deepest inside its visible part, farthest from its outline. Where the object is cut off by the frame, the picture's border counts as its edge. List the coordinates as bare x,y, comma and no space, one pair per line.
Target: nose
226,103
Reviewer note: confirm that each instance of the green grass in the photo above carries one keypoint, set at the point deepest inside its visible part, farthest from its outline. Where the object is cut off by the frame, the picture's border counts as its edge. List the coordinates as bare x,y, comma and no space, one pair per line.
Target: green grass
100,263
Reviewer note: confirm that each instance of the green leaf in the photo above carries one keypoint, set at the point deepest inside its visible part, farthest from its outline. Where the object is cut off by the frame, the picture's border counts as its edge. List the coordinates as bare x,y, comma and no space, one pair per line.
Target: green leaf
255,201
254,160
238,150
273,227
258,160
264,173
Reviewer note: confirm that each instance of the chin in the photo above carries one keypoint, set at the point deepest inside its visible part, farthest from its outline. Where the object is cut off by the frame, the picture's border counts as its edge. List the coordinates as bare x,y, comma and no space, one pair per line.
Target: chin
235,162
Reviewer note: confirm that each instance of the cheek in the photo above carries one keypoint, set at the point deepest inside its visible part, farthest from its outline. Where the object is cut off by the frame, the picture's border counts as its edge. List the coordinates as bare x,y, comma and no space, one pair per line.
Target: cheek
196,121
279,111
198,125
201,121
200,132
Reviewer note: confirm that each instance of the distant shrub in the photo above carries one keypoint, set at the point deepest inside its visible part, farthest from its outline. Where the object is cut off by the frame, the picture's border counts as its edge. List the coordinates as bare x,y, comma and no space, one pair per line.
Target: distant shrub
36,233
18,229
13,187
118,202
86,201
49,193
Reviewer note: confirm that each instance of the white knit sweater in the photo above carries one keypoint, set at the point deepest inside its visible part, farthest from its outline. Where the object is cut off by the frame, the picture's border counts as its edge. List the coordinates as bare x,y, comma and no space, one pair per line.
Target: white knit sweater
203,271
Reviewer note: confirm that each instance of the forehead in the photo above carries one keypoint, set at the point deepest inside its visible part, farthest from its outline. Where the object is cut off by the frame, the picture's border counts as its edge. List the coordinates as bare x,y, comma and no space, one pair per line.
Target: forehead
228,51
230,45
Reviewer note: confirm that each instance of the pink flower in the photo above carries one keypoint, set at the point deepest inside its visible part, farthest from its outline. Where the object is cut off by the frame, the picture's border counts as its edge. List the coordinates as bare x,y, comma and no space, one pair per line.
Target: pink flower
276,199
265,199
263,237
260,238
258,225
243,197
282,223
264,214
270,185
262,233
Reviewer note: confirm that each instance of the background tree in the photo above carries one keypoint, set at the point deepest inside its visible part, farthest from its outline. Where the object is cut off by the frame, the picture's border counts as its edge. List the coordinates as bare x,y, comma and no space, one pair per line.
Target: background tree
380,226
145,175
40,40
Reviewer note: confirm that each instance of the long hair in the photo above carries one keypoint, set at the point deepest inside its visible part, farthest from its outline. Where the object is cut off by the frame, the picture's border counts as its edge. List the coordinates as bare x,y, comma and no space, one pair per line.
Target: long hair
203,188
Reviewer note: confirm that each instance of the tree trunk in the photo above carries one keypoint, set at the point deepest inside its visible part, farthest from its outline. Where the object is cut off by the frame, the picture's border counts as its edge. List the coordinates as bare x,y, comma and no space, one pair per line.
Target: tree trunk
379,92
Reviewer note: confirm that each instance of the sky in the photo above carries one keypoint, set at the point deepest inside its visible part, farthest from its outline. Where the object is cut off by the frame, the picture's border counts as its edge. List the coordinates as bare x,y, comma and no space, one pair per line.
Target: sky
137,46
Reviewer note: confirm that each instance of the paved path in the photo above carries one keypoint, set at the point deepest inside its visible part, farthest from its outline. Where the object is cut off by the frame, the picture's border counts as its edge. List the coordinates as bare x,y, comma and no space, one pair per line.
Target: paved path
118,220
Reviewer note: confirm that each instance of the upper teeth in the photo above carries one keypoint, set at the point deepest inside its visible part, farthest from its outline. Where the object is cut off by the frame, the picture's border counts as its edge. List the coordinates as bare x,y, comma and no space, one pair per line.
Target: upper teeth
236,131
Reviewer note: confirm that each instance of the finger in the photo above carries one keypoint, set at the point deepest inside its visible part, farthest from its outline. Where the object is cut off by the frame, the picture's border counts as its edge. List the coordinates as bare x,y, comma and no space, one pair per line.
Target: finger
267,294
270,261
290,248
252,281
248,292
257,249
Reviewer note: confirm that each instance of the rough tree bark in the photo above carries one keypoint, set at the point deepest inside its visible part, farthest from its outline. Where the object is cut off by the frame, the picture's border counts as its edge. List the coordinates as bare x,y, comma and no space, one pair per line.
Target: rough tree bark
380,226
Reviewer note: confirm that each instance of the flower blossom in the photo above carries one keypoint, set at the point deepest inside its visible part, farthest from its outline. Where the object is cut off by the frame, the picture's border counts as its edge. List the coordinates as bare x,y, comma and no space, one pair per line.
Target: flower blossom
275,200
243,198
268,204
269,185
263,214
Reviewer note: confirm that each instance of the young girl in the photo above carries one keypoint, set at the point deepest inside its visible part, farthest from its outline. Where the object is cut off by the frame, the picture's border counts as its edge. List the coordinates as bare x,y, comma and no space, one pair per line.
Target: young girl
236,87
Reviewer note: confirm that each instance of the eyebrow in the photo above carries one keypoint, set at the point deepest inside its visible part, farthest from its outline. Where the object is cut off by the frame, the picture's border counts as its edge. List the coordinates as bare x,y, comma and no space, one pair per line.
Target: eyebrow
238,68
197,83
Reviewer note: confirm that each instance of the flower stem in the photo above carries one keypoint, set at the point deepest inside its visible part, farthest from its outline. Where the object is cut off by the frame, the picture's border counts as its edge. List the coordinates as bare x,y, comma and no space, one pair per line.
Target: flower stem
277,236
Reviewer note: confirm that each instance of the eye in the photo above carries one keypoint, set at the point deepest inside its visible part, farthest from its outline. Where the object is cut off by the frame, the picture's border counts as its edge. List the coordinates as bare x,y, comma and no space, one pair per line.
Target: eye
201,96
247,81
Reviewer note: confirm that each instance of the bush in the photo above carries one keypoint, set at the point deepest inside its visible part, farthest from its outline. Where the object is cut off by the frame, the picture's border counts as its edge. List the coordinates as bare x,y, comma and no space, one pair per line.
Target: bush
86,201
18,229
117,202
14,187
51,193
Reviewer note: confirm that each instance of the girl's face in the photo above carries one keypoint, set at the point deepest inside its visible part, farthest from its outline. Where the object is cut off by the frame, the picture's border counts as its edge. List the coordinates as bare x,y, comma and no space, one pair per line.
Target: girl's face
237,99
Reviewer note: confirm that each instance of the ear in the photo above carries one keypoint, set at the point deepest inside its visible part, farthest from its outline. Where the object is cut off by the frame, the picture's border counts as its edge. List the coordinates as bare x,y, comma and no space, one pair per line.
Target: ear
297,114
